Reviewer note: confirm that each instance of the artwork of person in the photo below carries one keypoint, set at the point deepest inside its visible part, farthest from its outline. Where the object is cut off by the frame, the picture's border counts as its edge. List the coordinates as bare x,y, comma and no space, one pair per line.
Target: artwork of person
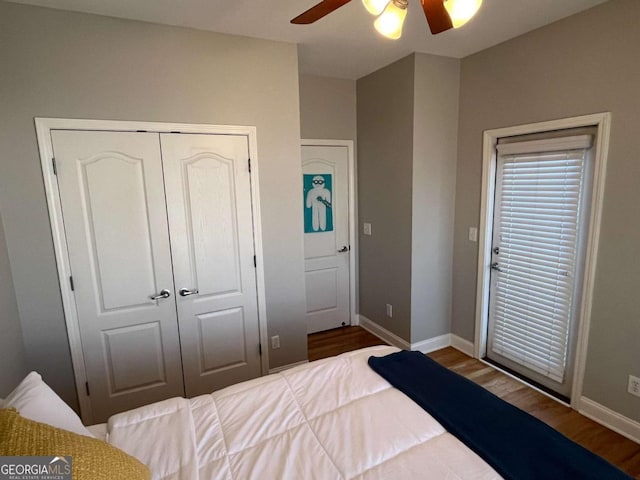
318,200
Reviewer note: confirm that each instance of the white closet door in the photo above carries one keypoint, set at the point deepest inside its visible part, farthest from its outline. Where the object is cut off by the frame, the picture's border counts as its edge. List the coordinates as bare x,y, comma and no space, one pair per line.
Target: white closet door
112,196
209,204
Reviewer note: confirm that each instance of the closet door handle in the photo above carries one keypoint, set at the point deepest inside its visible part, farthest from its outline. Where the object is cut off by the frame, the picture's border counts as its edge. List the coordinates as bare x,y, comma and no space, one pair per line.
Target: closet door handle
163,294
185,292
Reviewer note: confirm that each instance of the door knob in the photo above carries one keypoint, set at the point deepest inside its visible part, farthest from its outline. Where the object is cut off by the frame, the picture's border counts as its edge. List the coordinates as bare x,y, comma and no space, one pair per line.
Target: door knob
496,266
343,249
185,292
163,294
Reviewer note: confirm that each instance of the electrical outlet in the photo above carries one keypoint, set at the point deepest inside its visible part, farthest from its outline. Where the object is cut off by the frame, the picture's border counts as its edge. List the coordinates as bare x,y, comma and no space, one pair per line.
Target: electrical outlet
367,228
275,342
389,310
634,386
473,234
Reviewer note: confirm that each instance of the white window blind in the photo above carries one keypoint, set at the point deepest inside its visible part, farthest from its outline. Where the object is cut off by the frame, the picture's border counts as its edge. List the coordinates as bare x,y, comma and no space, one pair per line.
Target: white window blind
537,222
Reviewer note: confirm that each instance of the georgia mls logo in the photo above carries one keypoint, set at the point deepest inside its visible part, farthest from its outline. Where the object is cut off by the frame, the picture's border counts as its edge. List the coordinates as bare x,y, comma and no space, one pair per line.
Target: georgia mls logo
35,468
60,465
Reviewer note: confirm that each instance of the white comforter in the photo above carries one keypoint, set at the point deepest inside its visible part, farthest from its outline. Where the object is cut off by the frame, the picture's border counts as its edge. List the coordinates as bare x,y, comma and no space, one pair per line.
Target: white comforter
330,419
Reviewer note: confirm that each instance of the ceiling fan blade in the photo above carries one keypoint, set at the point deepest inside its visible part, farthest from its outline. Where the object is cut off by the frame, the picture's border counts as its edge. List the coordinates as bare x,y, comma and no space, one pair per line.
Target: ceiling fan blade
437,16
318,11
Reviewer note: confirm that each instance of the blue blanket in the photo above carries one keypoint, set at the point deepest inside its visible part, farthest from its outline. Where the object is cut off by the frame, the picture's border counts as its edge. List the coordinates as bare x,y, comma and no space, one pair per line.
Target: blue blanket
517,445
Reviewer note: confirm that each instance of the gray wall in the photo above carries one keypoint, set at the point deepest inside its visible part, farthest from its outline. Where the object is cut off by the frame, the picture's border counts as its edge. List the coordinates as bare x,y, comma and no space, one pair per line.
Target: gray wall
435,133
407,144
63,64
328,112
13,365
327,108
584,64
385,158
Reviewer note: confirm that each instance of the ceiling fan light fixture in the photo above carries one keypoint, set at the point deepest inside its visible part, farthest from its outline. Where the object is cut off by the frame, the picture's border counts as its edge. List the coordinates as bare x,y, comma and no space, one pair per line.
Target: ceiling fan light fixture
375,7
461,11
391,21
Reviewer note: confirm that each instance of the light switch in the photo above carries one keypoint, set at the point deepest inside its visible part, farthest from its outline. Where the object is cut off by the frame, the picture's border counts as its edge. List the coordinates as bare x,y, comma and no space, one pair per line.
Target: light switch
367,228
473,234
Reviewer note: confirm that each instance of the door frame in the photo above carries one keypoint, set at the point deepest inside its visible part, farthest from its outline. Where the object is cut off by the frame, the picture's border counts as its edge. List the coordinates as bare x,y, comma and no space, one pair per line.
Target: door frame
44,126
351,169
602,121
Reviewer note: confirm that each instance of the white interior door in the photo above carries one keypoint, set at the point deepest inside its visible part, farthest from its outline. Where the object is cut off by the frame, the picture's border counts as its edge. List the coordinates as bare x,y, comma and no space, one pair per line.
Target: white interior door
113,203
325,172
209,204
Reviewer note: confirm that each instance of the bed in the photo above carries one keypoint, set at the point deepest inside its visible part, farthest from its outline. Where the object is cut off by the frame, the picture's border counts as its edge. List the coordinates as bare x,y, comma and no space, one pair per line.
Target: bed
331,419
334,418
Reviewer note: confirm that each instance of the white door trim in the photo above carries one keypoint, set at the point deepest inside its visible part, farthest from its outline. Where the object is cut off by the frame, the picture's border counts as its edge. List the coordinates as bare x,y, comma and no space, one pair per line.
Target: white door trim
600,120
44,126
353,279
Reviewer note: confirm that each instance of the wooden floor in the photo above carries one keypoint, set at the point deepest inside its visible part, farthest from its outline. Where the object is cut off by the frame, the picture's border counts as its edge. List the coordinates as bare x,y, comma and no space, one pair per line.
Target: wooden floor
340,340
614,447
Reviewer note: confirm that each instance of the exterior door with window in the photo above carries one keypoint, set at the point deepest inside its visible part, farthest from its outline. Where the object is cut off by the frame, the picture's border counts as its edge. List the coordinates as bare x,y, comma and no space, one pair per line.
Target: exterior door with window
541,201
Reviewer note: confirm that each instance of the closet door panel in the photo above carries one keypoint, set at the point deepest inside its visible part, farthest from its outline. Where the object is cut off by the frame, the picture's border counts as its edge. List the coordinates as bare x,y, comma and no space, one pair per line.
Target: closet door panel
212,224
113,193
208,188
113,204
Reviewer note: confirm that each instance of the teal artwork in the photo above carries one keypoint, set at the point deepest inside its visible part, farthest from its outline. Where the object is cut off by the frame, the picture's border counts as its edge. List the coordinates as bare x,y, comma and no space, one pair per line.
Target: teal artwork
318,211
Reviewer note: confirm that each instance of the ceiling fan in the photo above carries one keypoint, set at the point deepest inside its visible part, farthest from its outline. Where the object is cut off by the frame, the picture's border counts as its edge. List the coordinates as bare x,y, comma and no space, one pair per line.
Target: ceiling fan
441,15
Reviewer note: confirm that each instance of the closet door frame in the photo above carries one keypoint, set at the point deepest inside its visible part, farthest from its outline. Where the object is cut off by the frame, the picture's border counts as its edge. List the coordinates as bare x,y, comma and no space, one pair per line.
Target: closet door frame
44,126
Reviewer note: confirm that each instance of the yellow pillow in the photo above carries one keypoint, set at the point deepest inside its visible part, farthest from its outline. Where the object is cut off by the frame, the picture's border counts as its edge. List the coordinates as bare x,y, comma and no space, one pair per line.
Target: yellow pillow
92,459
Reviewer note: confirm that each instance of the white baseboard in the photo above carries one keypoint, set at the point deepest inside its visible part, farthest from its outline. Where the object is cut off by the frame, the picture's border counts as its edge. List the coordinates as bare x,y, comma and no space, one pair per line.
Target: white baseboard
459,343
432,344
383,334
618,423
424,346
287,367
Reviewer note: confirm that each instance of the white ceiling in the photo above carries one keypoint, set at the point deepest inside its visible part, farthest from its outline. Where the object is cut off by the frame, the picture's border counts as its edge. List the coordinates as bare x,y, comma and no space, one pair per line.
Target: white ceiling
344,44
